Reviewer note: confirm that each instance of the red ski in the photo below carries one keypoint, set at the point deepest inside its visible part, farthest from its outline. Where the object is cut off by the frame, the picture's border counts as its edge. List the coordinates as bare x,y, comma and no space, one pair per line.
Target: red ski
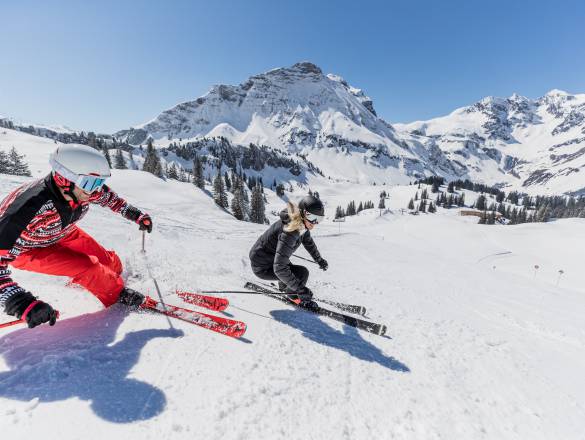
209,302
228,327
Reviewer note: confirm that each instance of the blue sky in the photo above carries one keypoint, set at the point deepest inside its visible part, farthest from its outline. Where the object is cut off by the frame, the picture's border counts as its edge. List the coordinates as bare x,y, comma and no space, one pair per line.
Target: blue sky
107,65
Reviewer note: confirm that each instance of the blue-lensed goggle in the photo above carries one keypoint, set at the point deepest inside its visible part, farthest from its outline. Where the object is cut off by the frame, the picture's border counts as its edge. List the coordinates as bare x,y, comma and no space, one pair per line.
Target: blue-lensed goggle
90,184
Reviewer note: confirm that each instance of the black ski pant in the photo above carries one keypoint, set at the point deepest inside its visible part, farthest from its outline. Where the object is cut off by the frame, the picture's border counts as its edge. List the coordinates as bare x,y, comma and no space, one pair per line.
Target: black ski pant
300,272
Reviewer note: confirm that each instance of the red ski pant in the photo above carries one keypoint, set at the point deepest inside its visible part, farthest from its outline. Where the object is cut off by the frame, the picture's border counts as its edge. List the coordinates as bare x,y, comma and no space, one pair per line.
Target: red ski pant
83,259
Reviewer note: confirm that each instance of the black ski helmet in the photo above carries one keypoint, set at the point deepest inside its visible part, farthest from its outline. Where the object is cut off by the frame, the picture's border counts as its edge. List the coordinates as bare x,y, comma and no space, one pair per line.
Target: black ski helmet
313,205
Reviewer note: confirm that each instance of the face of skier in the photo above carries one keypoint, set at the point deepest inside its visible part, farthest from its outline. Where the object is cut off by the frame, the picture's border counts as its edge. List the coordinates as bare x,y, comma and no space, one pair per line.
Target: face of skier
308,224
81,195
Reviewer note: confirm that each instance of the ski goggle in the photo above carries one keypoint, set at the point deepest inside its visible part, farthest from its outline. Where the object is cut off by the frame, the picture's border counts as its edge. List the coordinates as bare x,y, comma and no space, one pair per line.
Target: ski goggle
90,184
313,218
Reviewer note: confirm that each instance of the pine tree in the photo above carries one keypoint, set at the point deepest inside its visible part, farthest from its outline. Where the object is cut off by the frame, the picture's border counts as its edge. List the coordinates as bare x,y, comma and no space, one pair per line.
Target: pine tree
422,207
228,183
257,208
411,204
120,162
219,194
4,164
450,187
152,161
339,212
480,203
198,179
360,207
172,172
461,200
280,190
16,164
238,203
106,153
416,196
382,204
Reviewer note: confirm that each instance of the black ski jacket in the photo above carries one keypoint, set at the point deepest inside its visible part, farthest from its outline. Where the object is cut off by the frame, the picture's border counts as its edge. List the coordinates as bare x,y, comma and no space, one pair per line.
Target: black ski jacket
274,248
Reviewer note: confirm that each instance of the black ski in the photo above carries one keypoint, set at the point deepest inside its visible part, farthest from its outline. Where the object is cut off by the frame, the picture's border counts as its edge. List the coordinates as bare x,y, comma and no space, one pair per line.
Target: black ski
371,327
350,308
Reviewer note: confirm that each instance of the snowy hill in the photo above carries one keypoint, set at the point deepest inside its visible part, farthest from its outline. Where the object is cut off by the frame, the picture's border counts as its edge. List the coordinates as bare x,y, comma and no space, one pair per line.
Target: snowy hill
479,346
531,145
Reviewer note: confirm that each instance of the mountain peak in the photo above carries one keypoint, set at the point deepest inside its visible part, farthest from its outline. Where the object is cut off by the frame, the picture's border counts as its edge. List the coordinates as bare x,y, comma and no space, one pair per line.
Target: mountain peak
307,67
557,92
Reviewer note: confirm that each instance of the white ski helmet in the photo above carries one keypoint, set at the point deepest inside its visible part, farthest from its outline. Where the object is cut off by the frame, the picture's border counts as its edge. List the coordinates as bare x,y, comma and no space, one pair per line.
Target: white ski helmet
81,165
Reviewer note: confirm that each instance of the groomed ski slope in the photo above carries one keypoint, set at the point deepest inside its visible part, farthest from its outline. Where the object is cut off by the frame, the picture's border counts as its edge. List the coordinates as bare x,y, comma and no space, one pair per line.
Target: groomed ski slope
479,346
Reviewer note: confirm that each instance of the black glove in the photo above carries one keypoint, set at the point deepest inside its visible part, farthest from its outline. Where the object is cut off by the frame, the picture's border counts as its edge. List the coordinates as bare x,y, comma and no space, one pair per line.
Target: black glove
130,297
322,262
40,312
145,223
305,294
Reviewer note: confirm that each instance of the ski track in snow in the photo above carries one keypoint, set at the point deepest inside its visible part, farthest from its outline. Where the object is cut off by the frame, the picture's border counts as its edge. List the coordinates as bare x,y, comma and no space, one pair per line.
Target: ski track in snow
481,349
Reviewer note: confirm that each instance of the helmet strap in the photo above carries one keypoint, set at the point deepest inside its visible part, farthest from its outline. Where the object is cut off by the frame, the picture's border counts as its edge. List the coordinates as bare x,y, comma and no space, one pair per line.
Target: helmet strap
67,186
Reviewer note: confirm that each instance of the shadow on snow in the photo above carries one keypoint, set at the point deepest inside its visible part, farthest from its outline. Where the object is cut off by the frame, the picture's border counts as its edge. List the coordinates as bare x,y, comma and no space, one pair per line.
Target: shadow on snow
76,359
348,340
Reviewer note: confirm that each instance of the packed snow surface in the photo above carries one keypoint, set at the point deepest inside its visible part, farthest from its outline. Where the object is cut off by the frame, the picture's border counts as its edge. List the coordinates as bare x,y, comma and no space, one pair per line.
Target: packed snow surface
480,344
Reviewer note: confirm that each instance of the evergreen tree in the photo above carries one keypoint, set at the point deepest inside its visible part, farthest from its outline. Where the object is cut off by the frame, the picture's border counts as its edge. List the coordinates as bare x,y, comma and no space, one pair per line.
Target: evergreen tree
106,153
238,204
451,187
480,203
172,172
4,164
120,162
416,196
432,208
360,207
16,164
280,190
339,213
422,207
257,208
411,204
461,200
198,179
152,161
219,194
382,204
228,183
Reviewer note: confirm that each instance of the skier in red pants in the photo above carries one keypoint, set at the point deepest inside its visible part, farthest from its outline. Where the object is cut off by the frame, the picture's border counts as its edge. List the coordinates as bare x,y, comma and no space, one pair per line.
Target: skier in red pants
38,233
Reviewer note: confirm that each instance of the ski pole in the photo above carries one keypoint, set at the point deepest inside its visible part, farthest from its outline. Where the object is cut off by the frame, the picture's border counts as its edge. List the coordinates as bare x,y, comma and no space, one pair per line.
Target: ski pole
248,292
18,321
306,259
162,302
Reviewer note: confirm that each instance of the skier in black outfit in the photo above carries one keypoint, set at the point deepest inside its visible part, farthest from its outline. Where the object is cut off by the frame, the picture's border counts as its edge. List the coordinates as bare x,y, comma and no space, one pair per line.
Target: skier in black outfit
270,255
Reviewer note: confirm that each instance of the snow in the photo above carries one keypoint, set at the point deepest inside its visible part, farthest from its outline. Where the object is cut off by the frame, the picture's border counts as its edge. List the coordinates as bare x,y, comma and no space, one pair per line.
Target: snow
478,345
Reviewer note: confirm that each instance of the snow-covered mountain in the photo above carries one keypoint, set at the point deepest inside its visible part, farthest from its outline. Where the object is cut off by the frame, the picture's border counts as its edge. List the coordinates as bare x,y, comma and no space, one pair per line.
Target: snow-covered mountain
517,143
300,109
531,145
